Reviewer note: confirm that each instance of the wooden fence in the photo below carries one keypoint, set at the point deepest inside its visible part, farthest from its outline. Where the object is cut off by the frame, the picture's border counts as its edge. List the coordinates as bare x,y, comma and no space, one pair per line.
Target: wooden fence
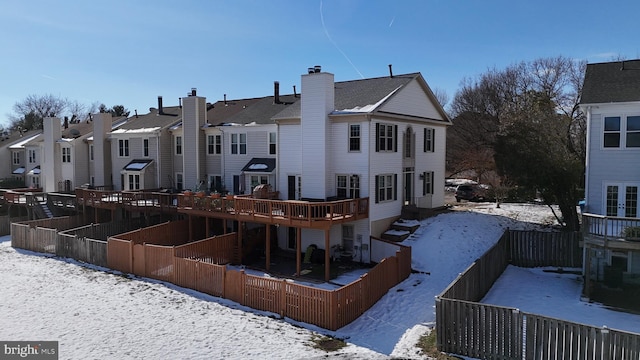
41,235
201,266
477,330
5,223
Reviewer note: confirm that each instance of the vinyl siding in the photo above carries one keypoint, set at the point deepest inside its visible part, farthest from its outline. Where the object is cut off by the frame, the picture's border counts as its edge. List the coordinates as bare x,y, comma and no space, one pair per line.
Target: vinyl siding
289,155
608,165
412,100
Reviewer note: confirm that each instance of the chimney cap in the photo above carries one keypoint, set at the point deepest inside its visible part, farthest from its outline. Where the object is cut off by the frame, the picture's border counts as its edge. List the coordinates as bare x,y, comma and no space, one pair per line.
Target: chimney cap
310,70
193,92
317,68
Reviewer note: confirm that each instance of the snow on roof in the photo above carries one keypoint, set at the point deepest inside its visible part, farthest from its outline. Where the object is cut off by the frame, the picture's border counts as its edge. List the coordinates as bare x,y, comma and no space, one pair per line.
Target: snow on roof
258,167
366,108
135,131
20,144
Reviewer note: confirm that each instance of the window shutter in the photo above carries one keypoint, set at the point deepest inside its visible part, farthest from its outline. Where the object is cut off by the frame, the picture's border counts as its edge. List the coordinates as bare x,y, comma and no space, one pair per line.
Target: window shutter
395,186
433,140
395,138
377,139
376,189
424,146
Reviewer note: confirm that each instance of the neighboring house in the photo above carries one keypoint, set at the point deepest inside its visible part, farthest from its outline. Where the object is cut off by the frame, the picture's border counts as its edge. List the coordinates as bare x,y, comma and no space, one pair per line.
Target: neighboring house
141,151
381,138
64,154
14,153
611,101
33,155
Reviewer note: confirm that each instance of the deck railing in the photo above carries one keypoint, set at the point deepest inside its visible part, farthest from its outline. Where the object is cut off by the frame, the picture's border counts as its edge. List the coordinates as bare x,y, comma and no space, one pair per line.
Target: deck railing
287,212
611,227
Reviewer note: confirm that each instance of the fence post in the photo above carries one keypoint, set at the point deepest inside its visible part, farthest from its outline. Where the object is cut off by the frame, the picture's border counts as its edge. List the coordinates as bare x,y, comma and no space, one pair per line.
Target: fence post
283,298
606,343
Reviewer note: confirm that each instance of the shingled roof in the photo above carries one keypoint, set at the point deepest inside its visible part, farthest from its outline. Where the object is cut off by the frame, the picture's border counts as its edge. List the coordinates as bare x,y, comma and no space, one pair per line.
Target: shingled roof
356,95
611,82
170,115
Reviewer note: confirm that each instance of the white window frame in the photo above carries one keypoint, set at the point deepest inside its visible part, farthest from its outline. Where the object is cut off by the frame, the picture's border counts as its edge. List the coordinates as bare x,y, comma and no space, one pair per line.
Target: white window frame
133,181
123,148
355,138
239,144
214,144
386,138
178,145
91,152
385,189
145,147
427,185
273,143
15,155
66,154
622,131
429,137
32,156
258,180
349,185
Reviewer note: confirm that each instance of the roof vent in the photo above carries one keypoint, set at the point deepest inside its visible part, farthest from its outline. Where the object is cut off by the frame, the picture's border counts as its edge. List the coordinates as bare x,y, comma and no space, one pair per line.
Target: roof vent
193,92
310,70
317,69
74,133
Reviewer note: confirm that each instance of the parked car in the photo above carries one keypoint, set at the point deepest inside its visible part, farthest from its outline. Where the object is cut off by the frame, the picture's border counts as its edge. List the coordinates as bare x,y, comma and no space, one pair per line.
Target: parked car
470,192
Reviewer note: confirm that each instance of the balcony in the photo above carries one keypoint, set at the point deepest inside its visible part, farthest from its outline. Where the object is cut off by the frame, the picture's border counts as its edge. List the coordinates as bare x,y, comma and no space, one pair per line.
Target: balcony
305,214
615,233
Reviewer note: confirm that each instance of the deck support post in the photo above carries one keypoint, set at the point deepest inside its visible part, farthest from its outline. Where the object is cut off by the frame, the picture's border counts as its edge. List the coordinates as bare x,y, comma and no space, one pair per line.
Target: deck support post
298,251
327,256
268,246
240,249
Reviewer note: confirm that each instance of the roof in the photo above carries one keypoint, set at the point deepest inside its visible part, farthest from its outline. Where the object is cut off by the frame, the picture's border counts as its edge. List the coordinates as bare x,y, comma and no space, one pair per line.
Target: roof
262,165
263,110
19,170
220,111
10,138
25,139
610,82
137,165
360,96
152,120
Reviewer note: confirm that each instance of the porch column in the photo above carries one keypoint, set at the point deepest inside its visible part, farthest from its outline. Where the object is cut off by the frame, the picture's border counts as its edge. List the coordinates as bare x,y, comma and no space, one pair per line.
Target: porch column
587,270
327,257
224,226
298,251
206,227
240,242
268,246
190,231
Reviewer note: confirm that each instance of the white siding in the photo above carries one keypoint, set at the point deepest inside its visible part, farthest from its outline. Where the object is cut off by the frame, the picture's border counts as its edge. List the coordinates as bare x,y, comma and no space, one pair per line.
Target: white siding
412,100
608,165
289,155
345,162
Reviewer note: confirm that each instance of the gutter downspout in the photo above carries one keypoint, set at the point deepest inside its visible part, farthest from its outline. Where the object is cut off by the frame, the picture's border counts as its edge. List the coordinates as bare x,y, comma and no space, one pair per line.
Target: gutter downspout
159,169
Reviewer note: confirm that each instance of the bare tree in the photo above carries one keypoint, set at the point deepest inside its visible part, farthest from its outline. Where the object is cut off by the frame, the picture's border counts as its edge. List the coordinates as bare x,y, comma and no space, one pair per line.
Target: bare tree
39,106
441,95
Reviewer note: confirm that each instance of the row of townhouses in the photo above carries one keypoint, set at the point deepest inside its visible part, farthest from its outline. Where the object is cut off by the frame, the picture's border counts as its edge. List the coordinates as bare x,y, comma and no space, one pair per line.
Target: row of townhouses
378,138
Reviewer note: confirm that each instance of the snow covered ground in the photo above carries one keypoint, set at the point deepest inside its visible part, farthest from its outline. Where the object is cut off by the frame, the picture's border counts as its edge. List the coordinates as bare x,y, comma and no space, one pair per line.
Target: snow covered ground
95,313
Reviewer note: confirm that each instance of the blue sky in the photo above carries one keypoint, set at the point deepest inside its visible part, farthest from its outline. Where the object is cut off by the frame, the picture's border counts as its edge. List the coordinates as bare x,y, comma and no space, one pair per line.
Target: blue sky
129,52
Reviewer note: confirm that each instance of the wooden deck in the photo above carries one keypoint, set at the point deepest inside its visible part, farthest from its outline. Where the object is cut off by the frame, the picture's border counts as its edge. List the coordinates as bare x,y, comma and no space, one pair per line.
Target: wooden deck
303,214
614,233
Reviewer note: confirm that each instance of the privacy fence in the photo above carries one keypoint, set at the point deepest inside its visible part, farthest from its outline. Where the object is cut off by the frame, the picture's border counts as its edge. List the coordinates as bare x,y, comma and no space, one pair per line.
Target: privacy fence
203,266
69,237
472,329
160,252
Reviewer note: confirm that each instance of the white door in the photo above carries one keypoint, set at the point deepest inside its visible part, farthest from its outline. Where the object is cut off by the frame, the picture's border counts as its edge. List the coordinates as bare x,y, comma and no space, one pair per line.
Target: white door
621,199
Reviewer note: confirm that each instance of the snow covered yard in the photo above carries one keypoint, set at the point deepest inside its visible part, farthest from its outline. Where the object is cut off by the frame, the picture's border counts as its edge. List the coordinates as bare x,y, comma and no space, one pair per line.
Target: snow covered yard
100,314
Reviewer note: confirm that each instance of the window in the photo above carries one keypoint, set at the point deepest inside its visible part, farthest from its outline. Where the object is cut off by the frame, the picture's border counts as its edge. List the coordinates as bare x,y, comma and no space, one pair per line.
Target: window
429,139
134,182
347,237
612,131
272,143
408,144
427,187
215,183
35,182
123,147
16,158
32,156
354,137
238,143
66,155
348,186
258,179
91,152
214,144
385,187
179,182
386,137
145,147
92,181
633,131
621,132
178,145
